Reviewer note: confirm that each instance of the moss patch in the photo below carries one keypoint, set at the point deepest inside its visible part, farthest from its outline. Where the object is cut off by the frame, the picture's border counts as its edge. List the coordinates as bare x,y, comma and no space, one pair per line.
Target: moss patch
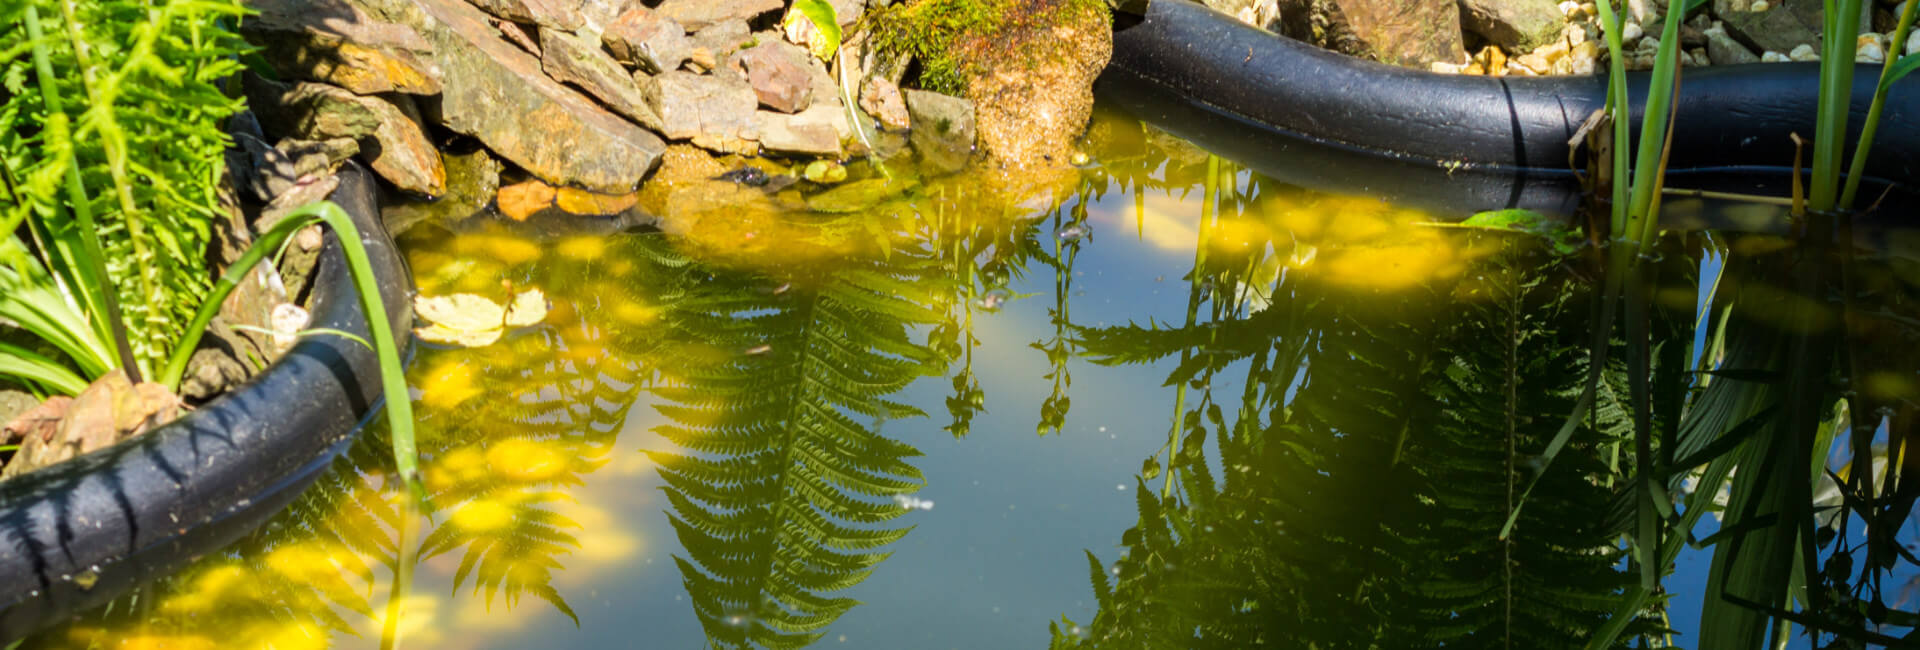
947,36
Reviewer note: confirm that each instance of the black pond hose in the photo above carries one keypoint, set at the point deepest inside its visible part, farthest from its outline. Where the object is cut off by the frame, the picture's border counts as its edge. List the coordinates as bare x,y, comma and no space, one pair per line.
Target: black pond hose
80,533
1458,143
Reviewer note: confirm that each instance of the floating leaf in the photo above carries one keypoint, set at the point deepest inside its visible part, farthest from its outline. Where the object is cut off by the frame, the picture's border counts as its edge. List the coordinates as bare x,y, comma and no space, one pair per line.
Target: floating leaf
468,320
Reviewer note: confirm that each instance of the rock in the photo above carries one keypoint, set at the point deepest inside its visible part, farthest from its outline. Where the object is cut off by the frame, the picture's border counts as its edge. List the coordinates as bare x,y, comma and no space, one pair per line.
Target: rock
1033,92
1913,42
717,43
472,180
552,14
1763,26
1512,24
1723,50
574,60
1870,48
812,132
881,99
696,15
338,44
111,409
1258,13
517,34
648,40
387,128
779,74
714,111
1645,12
680,166
521,200
593,204
1400,32
1632,33
1804,53
498,94
943,129
1771,56
13,404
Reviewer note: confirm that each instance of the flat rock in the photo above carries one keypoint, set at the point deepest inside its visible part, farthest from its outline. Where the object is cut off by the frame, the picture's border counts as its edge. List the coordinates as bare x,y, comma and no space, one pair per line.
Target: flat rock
497,93
519,35
713,111
943,130
1723,50
387,128
696,15
812,132
1515,25
472,179
1780,28
575,60
648,40
779,74
718,42
338,44
881,99
1412,33
554,14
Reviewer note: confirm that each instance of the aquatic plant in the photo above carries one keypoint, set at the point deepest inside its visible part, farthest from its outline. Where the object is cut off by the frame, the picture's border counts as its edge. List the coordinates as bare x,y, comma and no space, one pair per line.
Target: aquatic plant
771,497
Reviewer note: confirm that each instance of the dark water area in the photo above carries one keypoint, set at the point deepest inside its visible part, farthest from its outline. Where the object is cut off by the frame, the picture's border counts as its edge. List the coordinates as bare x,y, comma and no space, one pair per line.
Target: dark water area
1159,402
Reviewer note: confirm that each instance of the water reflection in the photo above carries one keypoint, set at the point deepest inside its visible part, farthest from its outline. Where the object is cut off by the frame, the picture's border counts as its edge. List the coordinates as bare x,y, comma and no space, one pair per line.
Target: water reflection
1344,407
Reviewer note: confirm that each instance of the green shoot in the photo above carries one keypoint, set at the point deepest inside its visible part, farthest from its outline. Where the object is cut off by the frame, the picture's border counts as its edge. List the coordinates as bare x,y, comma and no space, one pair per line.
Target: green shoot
1895,68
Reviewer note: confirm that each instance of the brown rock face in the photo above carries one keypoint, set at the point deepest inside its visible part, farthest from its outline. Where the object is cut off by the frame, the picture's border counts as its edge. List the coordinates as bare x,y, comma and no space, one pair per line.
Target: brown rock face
1411,33
387,129
556,14
778,72
812,132
714,111
881,99
1513,24
497,93
696,15
574,60
338,44
647,39
108,411
1035,93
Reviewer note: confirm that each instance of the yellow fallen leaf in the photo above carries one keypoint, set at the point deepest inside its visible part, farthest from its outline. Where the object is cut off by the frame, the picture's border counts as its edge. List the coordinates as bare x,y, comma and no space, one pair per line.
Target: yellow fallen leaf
469,320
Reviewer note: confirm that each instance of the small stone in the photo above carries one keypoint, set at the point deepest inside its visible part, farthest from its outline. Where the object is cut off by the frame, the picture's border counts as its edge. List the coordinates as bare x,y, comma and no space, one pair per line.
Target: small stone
779,74
825,172
1870,48
943,128
521,200
1632,32
696,15
1574,35
585,203
287,320
1771,56
1570,8
554,14
713,111
1804,52
1589,10
1723,50
473,178
812,132
1534,62
648,40
1696,56
721,40
881,99
1512,24
1648,46
577,61
1443,67
1759,6
1584,58
1913,42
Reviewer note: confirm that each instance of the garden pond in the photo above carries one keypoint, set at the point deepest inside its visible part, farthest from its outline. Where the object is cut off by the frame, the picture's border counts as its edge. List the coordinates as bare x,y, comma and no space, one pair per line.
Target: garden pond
1173,401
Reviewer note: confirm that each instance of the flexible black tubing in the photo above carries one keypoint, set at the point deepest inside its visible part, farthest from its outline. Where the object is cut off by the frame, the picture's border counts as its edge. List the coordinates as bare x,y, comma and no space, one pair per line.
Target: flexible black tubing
1327,121
77,534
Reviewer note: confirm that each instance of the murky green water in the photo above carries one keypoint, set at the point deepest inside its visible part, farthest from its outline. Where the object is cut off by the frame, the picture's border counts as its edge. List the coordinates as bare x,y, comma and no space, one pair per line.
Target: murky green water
1145,410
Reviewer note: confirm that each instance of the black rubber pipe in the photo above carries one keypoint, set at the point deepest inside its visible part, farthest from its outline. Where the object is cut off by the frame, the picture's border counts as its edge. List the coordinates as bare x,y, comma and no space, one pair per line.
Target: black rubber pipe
1459,143
77,534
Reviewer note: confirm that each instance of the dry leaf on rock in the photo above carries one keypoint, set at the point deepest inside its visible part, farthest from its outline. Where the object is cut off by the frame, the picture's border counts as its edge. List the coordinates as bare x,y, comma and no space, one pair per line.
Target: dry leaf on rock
468,320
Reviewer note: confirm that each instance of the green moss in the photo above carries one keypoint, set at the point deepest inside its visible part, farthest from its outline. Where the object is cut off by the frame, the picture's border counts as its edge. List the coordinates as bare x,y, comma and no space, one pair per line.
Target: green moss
942,34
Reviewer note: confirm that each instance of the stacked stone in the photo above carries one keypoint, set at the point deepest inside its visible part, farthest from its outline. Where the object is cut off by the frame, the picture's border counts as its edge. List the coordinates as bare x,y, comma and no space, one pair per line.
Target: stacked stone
580,95
1540,37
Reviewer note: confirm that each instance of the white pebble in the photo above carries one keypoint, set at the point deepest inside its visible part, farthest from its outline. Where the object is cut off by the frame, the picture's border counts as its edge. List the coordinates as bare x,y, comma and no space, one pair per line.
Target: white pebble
1869,48
1570,8
1803,52
1759,6
1771,56
1576,35
1630,32
1913,42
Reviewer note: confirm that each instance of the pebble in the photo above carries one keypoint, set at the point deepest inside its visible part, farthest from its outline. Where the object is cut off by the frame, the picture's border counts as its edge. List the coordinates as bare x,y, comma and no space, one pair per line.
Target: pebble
1632,32
1870,48
1570,8
1803,52
1759,6
1577,34
1771,56
1913,42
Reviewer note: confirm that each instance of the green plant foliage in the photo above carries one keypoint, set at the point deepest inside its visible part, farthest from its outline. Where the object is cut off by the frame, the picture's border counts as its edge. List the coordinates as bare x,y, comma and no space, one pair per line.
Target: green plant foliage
111,129
780,496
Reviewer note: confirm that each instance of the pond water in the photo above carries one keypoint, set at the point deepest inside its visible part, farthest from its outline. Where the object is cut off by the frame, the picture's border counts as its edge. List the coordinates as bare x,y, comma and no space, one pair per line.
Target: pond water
1162,403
